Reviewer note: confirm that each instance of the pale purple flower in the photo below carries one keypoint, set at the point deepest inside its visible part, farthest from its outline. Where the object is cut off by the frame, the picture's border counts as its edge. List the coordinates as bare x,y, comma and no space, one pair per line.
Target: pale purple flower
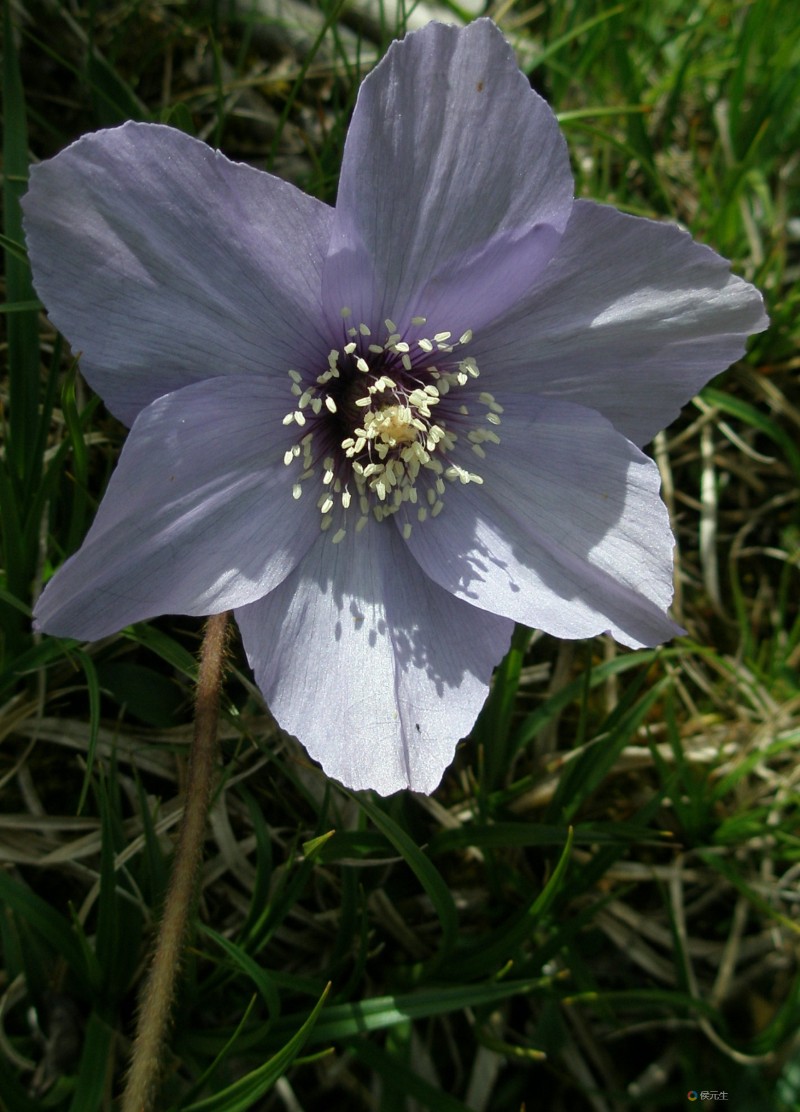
383,432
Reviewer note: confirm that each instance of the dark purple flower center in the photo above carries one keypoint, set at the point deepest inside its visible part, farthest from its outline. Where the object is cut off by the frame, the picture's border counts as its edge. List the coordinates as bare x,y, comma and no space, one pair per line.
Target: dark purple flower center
386,423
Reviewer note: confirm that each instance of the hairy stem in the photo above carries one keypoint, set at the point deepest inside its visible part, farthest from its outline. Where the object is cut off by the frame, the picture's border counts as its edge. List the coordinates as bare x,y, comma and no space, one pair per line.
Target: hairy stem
157,999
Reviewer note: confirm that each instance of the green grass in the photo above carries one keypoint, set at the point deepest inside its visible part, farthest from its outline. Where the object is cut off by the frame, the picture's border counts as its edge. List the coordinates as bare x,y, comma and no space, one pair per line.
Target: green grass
597,910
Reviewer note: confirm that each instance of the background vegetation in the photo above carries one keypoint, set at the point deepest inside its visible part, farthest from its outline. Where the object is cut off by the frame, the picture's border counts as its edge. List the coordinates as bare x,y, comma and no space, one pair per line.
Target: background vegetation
598,910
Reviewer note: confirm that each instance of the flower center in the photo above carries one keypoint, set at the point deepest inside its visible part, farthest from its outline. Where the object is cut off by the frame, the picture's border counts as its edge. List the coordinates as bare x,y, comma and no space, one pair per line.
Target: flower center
387,423
391,426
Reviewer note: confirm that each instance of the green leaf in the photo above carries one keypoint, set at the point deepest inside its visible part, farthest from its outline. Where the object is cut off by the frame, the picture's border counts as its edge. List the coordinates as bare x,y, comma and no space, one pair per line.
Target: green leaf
347,1021
16,249
315,846
247,1090
493,951
491,731
52,927
398,1078
252,969
21,306
93,690
93,1083
147,694
426,872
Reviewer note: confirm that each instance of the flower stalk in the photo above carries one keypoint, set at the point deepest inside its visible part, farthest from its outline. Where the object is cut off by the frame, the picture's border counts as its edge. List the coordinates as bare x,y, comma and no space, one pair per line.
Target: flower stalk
159,993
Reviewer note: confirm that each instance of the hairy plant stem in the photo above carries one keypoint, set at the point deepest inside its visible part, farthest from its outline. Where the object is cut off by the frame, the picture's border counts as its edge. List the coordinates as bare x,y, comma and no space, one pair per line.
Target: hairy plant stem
157,999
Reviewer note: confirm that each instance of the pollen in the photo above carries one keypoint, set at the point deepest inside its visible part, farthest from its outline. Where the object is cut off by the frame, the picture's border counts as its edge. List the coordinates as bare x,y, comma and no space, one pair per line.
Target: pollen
384,426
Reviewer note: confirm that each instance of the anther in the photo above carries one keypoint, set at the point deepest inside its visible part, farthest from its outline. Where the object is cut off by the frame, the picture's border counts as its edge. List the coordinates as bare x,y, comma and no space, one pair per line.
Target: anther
394,439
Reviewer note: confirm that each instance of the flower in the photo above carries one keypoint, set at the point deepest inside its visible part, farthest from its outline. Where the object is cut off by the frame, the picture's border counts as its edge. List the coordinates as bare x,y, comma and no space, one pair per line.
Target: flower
384,432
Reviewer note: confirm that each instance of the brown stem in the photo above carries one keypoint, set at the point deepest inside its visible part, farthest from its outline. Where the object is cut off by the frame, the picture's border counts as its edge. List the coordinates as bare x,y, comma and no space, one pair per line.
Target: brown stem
156,1004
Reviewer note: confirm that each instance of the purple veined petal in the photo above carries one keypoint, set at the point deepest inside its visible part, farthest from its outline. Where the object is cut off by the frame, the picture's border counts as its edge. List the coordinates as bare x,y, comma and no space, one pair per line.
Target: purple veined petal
631,318
198,516
566,533
164,263
373,667
449,147
473,290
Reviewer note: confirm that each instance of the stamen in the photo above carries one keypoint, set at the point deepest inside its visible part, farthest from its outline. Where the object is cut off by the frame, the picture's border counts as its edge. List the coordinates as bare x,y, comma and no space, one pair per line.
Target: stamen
378,423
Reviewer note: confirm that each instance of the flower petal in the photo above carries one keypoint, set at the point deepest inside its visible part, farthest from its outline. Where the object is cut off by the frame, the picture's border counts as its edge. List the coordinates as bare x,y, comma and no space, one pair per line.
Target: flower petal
165,264
472,290
630,318
371,665
567,532
448,148
198,516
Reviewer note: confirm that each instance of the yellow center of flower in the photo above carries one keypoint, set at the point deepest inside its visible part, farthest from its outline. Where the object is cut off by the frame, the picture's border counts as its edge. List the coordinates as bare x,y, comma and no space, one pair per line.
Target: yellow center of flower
390,426
383,425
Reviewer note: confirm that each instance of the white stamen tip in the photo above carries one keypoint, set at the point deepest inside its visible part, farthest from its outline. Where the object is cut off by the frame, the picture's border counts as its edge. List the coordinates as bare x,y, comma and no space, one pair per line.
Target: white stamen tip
384,427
